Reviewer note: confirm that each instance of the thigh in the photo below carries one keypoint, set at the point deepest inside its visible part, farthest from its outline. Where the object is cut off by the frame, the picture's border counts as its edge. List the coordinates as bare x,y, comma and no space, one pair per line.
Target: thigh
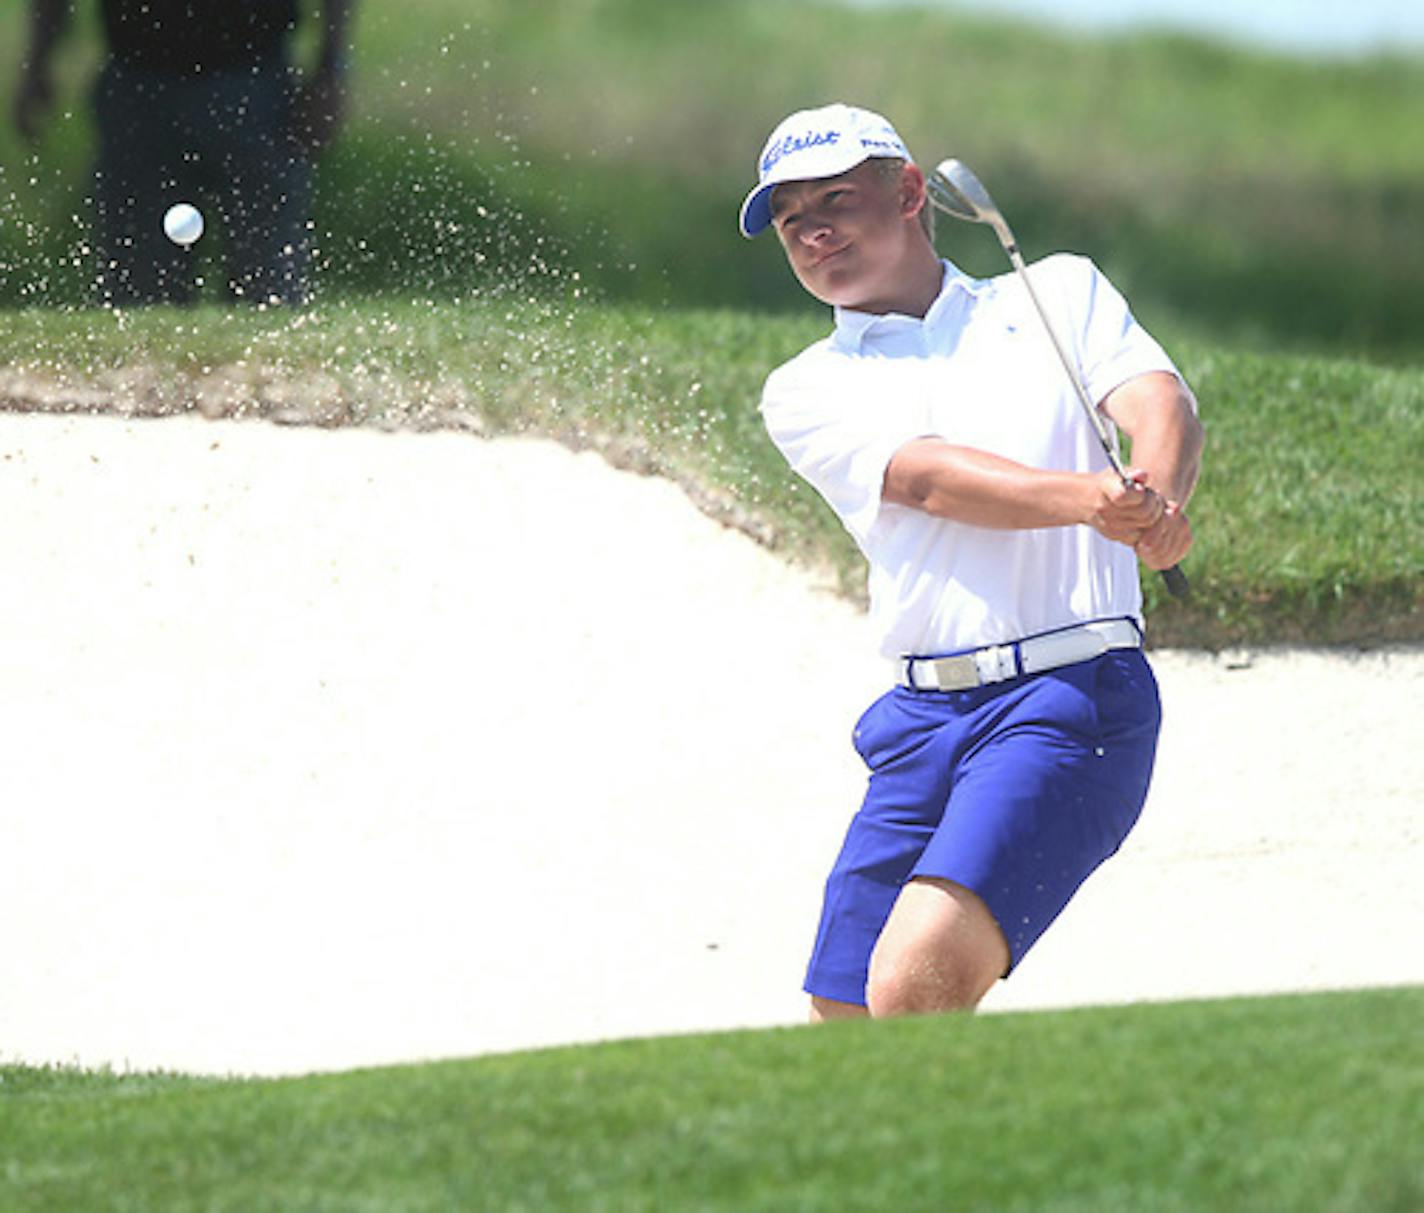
910,748
1049,795
941,950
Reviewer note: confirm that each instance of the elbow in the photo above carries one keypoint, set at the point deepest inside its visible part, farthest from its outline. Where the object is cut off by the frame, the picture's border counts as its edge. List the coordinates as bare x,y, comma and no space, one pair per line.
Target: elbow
915,496
909,478
1191,418
916,488
1193,444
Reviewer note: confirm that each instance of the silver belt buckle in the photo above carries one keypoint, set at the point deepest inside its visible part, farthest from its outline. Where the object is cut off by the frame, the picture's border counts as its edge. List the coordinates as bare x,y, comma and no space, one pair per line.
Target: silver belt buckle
952,673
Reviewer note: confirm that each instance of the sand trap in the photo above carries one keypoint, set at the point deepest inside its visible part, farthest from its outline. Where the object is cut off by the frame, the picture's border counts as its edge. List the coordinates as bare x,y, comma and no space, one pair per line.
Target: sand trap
337,748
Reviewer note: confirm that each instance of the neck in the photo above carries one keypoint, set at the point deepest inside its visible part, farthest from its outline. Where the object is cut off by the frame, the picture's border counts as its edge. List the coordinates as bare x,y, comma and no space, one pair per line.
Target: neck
922,284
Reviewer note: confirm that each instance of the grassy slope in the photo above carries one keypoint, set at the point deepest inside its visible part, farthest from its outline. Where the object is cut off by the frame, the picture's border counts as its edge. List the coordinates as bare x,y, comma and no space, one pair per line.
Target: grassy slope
1241,194
1233,195
1245,202
1310,516
1267,1104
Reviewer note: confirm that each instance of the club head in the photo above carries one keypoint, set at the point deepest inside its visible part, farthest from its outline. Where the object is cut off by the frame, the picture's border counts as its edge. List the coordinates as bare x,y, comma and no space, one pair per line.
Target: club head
956,191
947,191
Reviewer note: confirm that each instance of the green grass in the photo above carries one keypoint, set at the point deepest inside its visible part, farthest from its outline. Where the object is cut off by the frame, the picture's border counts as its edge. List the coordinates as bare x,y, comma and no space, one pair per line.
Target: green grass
1240,197
529,228
1273,1104
1309,518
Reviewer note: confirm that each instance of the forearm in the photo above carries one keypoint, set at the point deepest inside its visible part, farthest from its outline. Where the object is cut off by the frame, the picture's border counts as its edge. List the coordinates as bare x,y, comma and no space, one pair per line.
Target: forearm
1170,454
986,490
1158,414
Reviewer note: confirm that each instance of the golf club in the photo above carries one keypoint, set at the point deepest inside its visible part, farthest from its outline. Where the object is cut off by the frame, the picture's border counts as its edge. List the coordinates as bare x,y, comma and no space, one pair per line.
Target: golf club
955,190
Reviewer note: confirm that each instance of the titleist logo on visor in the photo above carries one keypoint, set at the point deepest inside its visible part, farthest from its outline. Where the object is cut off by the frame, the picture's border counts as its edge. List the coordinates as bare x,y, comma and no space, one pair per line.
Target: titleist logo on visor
799,143
796,143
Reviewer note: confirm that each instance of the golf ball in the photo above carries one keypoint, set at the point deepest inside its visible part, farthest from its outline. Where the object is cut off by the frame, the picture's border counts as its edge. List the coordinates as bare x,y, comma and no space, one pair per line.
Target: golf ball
183,224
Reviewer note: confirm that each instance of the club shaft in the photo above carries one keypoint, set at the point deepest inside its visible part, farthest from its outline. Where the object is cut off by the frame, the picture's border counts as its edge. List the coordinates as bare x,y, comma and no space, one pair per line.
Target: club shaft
1174,579
1099,425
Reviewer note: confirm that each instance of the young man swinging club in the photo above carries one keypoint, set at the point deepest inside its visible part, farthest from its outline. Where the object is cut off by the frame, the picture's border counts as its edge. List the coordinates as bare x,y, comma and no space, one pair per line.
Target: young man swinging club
1013,753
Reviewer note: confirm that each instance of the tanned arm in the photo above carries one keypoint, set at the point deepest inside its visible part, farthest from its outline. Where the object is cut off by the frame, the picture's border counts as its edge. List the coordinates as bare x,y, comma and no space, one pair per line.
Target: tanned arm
987,490
1148,513
1156,411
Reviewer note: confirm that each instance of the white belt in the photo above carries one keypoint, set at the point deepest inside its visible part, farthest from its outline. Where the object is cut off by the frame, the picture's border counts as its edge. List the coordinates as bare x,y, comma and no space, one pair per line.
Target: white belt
1000,662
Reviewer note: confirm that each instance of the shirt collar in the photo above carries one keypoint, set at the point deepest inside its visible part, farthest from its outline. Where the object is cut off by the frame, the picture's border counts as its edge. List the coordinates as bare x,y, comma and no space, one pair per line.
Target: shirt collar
853,326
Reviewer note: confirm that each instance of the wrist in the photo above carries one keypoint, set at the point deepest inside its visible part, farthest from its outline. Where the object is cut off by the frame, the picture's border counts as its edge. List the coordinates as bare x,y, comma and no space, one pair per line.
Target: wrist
1085,499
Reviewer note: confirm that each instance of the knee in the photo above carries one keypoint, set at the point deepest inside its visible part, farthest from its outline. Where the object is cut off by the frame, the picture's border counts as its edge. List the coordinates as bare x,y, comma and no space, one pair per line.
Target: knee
940,950
906,989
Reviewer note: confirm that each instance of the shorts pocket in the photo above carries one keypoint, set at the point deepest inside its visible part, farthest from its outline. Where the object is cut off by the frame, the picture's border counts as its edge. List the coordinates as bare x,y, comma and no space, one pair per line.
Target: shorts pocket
1128,703
866,734
1074,703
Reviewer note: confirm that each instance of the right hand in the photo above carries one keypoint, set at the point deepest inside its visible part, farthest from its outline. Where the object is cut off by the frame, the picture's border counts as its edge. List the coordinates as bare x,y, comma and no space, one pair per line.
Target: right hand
1124,512
34,98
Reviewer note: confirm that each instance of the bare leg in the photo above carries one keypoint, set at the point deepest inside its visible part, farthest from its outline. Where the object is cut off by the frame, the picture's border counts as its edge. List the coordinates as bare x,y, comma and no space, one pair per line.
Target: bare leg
823,1009
941,950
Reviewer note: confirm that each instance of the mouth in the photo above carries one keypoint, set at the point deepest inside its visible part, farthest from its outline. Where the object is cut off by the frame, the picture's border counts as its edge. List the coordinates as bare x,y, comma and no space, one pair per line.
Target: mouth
825,257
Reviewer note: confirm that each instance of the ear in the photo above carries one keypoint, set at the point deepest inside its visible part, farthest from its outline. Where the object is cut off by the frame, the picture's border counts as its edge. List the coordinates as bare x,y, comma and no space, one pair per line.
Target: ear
913,191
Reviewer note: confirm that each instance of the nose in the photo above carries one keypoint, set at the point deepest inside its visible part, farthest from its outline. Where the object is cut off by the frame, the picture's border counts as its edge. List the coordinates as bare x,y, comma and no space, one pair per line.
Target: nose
814,231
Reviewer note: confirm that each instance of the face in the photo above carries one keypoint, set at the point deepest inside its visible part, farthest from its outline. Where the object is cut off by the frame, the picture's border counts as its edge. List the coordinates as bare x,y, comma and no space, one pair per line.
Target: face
850,239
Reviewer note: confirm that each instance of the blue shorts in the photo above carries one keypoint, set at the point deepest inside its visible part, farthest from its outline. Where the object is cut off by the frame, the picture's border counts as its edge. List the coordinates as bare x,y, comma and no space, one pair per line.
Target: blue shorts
1017,791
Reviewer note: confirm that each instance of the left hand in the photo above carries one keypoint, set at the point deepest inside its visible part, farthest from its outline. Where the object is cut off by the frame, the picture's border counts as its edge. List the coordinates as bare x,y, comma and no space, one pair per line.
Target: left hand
1167,541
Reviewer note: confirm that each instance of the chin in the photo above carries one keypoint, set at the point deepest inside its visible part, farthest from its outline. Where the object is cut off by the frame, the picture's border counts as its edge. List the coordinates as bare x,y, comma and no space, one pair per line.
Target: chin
833,293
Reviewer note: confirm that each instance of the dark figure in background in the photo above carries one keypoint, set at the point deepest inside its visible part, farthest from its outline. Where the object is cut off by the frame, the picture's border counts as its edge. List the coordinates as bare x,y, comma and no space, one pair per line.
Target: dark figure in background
198,102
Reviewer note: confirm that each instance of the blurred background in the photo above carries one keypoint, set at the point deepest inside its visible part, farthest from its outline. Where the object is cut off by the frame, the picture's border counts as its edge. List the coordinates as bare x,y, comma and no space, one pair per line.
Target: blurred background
1254,178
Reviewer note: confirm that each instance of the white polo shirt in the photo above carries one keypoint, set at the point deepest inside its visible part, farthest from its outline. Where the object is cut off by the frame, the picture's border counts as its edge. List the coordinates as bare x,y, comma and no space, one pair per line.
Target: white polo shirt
977,371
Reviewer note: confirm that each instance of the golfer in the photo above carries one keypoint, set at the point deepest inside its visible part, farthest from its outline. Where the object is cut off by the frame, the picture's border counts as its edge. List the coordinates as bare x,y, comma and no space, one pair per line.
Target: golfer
1012,754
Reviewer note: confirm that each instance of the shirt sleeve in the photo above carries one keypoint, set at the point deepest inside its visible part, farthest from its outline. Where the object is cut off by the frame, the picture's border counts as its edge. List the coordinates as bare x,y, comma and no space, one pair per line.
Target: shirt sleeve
1111,346
839,433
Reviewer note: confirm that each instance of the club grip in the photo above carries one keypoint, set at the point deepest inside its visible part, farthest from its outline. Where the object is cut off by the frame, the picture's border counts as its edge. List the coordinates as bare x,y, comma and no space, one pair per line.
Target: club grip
1176,581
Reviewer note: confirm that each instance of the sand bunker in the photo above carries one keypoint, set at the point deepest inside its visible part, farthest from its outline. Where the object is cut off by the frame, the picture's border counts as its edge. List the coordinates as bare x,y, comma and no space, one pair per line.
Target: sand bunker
330,748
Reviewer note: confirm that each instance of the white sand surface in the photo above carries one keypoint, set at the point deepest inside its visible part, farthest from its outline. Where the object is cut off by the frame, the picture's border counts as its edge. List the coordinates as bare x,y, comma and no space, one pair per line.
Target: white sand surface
329,748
